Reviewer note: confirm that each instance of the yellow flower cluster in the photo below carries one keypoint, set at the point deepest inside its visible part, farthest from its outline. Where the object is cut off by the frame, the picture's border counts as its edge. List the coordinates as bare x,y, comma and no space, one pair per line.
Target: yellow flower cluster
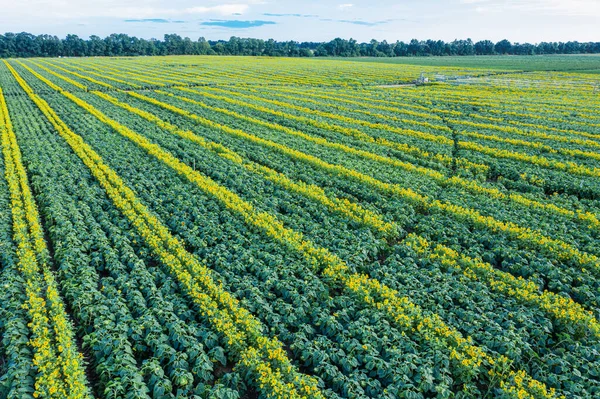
531,133
346,208
96,81
87,71
218,306
402,110
524,387
273,92
56,358
272,381
588,219
562,309
529,237
400,309
309,111
318,140
532,179
569,167
506,129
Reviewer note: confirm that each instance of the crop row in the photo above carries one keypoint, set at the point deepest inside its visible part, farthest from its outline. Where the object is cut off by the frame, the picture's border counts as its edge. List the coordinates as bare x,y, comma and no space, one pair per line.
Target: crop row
270,225
243,333
445,159
441,257
569,167
463,121
317,194
456,181
56,358
107,287
313,192
250,136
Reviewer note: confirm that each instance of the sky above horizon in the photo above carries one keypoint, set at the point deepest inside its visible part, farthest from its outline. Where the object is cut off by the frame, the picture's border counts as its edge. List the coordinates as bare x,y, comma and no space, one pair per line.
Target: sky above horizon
517,20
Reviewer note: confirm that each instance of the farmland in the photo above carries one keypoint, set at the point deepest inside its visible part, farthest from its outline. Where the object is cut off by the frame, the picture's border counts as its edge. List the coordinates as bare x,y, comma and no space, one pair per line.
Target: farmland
222,227
583,63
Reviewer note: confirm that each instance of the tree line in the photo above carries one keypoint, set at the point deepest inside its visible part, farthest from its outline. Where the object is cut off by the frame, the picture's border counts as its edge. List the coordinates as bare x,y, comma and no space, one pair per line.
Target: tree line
28,45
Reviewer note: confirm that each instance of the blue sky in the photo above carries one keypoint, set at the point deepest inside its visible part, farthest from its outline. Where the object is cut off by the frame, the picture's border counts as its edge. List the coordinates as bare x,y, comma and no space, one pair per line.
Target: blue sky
309,20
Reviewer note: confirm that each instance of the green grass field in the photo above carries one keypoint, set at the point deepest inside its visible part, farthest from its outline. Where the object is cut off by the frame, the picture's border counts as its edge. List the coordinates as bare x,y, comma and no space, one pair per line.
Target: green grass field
570,63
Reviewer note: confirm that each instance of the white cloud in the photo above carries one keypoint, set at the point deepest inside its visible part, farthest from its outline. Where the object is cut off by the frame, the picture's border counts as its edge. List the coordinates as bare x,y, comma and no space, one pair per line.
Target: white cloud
547,7
224,9
516,20
73,9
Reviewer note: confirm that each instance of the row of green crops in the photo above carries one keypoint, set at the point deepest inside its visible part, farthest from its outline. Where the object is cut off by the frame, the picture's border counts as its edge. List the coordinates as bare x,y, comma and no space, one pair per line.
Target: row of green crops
347,221
137,344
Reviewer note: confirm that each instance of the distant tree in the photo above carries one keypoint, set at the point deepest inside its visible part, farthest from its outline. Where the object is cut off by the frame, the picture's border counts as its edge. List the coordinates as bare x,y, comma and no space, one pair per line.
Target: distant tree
219,48
26,45
464,47
450,49
202,46
96,46
353,48
173,44
321,51
372,48
572,48
384,49
305,52
484,47
523,49
74,46
157,47
5,44
119,44
341,48
112,45
593,48
135,46
503,47
49,46
400,49
414,47
436,47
